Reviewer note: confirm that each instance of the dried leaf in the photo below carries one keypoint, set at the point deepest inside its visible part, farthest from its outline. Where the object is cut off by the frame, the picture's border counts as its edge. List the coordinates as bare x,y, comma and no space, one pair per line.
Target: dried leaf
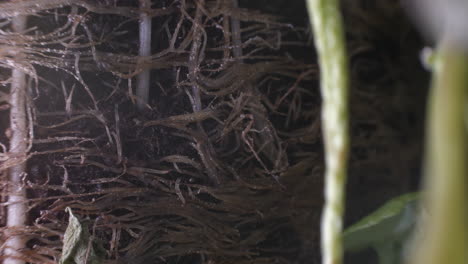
77,247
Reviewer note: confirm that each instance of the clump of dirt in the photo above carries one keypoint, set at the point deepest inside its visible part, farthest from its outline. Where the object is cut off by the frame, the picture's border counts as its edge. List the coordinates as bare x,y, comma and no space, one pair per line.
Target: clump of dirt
225,162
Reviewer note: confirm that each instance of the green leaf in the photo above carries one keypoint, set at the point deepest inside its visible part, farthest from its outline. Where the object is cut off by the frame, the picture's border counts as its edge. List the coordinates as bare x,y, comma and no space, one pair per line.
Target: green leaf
390,209
385,229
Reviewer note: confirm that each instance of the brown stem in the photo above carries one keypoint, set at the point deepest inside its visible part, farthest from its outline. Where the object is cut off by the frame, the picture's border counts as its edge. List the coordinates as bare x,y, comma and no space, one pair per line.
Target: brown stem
260,121
236,34
204,147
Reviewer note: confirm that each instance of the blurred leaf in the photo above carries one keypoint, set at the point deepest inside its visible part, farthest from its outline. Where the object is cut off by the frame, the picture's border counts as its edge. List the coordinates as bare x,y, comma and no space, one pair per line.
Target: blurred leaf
77,245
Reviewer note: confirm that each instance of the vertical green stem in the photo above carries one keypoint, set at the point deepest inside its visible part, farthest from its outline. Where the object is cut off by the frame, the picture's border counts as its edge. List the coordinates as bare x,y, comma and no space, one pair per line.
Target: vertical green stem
330,44
446,231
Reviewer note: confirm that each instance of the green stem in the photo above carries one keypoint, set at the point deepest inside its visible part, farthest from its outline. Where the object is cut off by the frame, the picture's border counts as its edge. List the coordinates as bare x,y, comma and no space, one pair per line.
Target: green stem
446,231
330,44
